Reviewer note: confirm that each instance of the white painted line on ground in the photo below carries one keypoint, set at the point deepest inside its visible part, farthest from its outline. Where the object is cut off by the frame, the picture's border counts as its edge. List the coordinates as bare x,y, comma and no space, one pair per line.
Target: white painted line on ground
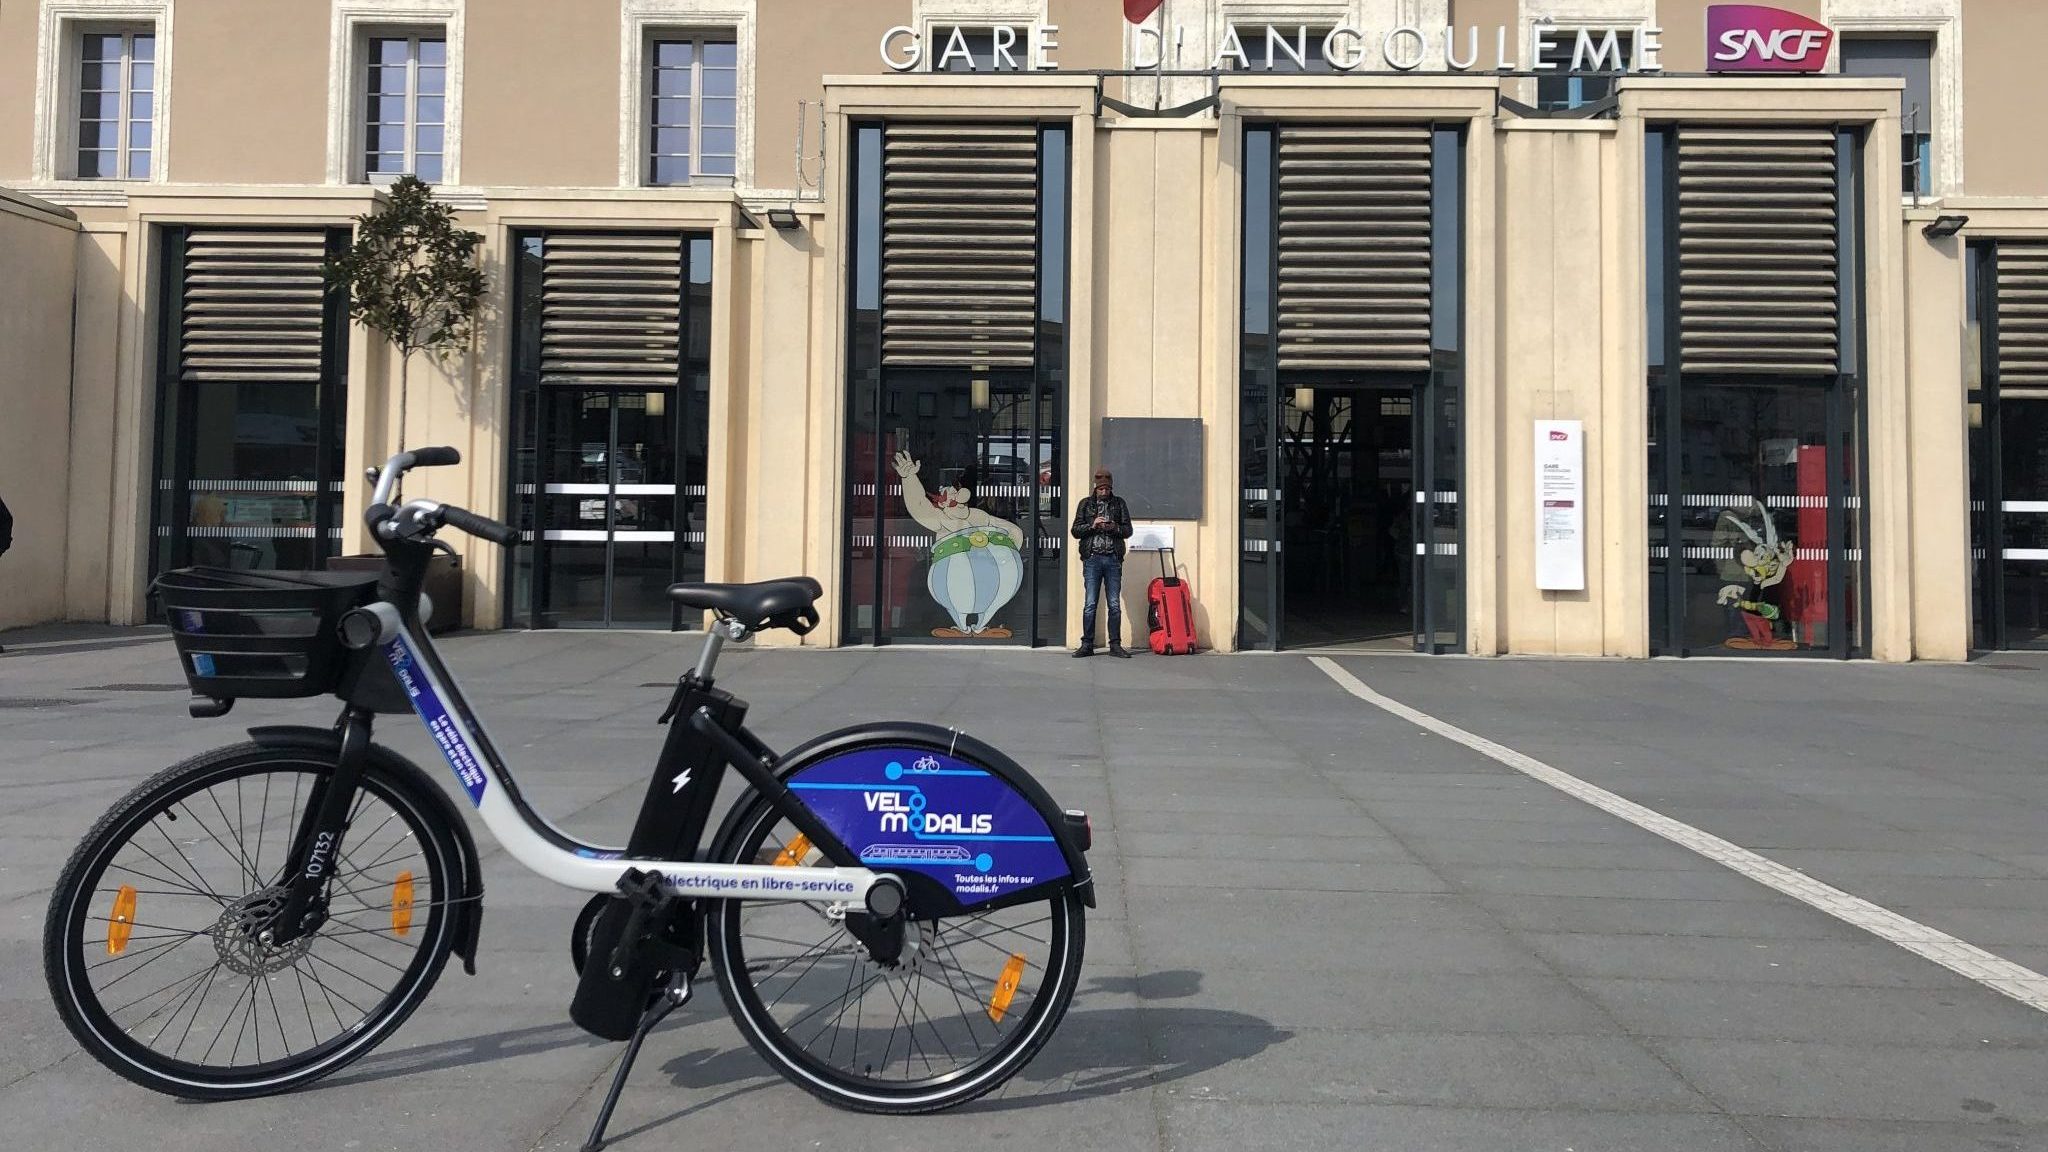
1994,972
43,645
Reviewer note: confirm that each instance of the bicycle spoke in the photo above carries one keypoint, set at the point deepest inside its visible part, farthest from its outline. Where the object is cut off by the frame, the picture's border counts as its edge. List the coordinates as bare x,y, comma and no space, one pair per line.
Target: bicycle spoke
400,968
934,1026
196,1008
182,1001
208,1054
277,1015
239,858
198,883
311,955
261,818
150,995
330,993
306,1002
139,967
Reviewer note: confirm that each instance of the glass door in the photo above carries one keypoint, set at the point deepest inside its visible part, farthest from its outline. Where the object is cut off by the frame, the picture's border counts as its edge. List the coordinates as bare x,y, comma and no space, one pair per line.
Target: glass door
608,509
251,390
2013,544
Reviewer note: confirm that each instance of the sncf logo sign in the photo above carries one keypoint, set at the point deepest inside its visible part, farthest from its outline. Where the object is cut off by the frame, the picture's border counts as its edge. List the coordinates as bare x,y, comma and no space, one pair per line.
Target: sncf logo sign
1753,38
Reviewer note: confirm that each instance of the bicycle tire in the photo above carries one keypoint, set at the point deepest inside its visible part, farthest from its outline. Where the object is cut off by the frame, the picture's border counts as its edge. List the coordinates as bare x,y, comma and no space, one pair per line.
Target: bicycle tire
92,1023
755,818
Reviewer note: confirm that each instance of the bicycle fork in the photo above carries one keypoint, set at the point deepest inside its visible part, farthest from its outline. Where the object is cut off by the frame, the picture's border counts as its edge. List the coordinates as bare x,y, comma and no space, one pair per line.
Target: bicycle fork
316,846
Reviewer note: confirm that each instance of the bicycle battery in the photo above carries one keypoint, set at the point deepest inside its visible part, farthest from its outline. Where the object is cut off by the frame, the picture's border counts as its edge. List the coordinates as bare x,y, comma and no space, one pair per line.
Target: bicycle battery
640,941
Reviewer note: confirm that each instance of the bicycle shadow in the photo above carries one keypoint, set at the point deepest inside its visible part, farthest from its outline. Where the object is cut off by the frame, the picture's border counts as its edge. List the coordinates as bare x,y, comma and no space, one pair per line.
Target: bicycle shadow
1096,1052
488,1048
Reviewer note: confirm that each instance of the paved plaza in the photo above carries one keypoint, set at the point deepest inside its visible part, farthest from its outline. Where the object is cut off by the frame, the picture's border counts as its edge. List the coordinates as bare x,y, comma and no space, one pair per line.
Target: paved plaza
1320,925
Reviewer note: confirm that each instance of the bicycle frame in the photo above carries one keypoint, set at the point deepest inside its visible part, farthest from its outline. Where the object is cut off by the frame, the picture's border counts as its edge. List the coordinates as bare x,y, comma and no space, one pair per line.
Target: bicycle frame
700,746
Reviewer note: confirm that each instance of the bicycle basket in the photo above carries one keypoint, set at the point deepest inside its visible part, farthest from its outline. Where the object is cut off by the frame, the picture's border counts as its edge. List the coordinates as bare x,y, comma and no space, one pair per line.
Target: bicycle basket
261,634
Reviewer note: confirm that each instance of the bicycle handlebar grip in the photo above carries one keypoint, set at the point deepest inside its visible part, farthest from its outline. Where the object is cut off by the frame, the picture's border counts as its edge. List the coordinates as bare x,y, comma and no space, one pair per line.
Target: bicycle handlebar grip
482,527
435,457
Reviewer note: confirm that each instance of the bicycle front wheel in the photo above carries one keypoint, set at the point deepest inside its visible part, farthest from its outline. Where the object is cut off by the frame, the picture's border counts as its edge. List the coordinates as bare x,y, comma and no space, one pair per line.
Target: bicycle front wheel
154,947
965,1004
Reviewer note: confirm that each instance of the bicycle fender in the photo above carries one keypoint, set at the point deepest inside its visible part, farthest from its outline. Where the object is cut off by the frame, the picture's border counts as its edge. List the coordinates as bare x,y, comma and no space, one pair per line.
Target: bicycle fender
940,805
470,906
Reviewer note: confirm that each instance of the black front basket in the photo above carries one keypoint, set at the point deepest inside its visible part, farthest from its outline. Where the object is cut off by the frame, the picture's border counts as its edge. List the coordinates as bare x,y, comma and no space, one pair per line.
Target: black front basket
264,634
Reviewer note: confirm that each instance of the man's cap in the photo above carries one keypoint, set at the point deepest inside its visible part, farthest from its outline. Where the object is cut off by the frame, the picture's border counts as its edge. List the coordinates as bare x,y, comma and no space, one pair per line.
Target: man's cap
1102,474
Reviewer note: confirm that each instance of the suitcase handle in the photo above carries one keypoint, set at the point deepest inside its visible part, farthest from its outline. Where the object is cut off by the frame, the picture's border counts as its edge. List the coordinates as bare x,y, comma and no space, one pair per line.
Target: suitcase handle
1169,574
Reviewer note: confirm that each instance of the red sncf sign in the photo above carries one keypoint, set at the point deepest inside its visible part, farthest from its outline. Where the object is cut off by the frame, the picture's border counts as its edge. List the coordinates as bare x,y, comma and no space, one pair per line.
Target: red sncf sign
1755,38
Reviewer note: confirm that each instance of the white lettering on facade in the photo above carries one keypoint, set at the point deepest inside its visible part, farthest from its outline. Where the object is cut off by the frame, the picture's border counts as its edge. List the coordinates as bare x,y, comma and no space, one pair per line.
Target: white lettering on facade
1005,40
1405,48
1296,51
1589,55
956,45
1471,48
913,53
1408,64
1044,40
1232,47
1338,59
1540,46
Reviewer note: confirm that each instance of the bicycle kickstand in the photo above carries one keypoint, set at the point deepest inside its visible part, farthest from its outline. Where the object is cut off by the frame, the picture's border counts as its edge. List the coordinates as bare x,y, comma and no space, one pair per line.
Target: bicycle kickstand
676,995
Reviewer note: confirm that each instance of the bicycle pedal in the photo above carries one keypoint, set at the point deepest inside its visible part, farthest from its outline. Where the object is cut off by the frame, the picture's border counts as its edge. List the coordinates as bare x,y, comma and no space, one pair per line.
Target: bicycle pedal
646,890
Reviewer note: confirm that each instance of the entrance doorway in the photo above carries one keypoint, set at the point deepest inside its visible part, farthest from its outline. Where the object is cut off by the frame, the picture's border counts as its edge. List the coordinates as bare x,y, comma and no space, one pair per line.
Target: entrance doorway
1351,526
611,520
611,381
2009,446
251,392
1347,475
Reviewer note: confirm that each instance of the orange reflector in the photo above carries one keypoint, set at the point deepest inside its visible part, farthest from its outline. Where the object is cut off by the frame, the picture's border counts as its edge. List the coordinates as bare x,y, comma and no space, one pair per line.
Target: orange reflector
122,922
1006,988
401,904
794,852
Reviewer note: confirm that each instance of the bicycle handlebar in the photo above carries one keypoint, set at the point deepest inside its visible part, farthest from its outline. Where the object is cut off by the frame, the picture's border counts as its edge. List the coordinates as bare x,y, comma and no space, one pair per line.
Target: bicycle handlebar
395,469
482,527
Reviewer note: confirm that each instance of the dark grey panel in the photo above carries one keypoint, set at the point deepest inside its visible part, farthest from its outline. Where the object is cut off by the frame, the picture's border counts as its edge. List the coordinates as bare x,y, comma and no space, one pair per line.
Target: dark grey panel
1158,465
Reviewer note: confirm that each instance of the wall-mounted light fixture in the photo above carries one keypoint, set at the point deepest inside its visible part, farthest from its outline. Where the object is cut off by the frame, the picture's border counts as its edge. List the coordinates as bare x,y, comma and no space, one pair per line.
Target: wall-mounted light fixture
783,219
657,404
1304,398
1942,227
977,393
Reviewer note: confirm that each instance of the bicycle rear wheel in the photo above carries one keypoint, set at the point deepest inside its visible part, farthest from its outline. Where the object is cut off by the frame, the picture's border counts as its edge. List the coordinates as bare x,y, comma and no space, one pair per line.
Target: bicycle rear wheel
153,945
966,1005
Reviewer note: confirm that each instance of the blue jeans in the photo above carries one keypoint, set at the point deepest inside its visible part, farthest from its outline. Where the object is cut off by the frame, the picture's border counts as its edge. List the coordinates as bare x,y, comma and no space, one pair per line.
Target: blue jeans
1097,574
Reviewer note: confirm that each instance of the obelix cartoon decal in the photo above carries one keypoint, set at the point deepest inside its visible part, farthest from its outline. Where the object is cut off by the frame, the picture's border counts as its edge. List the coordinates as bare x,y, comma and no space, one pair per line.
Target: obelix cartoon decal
977,564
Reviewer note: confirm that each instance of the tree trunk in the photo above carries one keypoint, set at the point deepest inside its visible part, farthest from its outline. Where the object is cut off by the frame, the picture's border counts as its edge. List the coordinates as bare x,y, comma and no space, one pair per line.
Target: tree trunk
404,372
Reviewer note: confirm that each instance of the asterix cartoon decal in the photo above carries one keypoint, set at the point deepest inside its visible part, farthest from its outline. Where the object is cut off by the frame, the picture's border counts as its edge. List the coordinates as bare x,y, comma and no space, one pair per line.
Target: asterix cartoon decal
1762,568
976,564
909,809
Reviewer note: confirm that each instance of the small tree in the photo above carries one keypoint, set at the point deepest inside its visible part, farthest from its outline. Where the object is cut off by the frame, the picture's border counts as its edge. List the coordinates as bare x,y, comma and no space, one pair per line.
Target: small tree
411,277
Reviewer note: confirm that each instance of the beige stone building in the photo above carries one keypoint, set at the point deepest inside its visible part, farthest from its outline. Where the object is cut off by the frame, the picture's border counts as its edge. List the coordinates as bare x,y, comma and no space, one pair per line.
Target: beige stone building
1487,326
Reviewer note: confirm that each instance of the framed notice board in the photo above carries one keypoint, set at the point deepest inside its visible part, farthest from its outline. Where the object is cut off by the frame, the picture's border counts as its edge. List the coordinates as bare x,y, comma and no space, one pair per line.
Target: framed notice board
1158,465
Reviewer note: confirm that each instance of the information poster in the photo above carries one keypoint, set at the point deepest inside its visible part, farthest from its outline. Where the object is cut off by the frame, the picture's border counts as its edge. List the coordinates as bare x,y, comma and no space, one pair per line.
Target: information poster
1561,505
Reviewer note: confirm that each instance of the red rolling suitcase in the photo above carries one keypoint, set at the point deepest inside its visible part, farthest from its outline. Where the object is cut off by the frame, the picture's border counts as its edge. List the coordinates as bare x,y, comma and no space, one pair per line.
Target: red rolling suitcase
1170,610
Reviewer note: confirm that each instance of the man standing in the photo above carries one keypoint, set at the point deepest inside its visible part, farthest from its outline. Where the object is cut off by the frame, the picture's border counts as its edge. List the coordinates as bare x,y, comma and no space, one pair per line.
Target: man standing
1102,523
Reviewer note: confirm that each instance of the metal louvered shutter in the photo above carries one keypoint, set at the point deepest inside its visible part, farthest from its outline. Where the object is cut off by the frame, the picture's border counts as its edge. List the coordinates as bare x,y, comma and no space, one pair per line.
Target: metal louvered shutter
253,306
611,308
959,245
1758,250
1354,247
2022,315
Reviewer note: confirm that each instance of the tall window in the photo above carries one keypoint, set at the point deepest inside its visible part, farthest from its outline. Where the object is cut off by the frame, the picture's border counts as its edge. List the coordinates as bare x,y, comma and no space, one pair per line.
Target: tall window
995,49
1911,58
692,128
1581,77
1278,49
405,107
116,109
